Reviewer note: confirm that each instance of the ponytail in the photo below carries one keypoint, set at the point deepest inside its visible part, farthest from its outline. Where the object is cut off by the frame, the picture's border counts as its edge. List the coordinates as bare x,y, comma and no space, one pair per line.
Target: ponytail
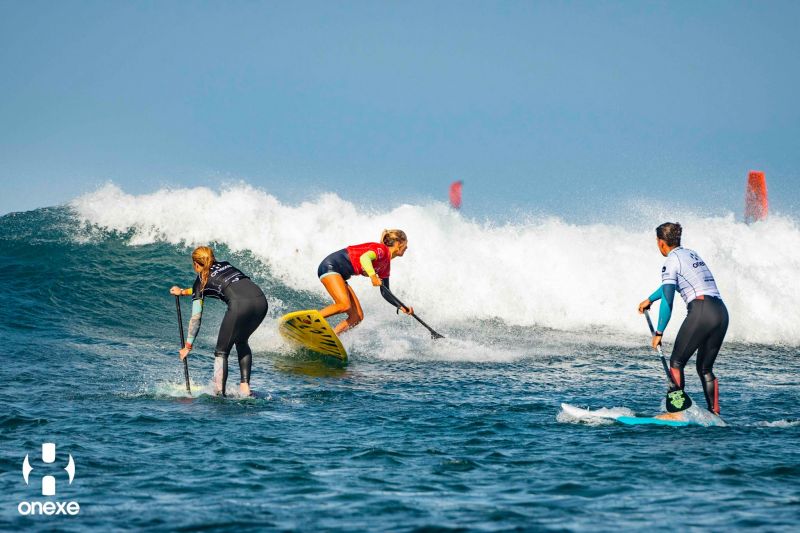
391,236
204,256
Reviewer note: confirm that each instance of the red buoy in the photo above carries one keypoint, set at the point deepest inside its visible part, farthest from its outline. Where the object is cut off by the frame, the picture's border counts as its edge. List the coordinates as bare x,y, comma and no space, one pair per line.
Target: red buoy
756,202
455,194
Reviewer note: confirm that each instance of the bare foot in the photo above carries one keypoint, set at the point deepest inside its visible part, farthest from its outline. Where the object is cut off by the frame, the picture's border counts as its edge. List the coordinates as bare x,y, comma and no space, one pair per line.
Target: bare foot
671,416
244,389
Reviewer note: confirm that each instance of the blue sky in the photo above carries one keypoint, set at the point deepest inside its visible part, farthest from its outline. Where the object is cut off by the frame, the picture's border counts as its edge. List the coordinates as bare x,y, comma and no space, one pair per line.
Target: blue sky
556,107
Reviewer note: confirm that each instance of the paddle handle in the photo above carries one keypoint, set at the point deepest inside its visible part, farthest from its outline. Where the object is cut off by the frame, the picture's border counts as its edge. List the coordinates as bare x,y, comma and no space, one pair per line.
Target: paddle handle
183,343
670,381
418,319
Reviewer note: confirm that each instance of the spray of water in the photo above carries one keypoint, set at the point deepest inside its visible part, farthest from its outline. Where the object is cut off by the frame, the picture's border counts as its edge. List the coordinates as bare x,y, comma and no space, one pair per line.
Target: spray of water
541,272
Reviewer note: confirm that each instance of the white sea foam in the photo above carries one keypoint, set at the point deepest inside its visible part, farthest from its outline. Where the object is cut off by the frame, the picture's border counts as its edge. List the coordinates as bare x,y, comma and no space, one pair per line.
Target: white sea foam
544,272
593,417
779,424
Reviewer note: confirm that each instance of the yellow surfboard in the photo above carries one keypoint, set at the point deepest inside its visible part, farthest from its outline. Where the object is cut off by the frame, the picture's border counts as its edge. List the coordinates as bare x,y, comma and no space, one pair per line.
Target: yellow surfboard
309,330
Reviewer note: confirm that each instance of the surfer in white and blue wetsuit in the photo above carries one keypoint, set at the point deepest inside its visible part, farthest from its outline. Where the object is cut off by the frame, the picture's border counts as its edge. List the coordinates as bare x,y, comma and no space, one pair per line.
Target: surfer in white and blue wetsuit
707,322
247,307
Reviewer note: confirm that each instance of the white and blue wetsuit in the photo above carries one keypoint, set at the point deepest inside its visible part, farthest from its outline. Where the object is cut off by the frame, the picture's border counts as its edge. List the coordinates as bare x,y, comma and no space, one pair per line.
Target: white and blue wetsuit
706,323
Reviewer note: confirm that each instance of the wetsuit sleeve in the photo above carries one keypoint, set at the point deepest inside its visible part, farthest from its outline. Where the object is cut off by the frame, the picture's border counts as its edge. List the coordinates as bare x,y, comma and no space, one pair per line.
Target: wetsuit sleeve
656,296
366,260
194,322
388,296
665,311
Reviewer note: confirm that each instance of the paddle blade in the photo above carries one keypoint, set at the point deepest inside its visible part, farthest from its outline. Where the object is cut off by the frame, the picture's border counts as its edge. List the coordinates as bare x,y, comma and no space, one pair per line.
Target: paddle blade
677,400
435,335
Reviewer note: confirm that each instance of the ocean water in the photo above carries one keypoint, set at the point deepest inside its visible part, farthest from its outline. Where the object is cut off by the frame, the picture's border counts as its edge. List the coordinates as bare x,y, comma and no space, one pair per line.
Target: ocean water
461,434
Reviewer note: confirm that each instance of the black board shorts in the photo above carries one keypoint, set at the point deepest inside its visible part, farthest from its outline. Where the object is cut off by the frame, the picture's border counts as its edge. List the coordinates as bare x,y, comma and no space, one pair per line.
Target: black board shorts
336,263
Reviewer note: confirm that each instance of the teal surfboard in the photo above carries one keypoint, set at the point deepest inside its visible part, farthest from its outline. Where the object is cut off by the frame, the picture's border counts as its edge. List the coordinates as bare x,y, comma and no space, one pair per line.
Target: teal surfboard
614,414
643,420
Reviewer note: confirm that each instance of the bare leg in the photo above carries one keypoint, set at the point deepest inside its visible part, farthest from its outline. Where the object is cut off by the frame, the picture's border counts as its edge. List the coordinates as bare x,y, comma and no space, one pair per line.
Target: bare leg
337,288
344,301
220,373
354,314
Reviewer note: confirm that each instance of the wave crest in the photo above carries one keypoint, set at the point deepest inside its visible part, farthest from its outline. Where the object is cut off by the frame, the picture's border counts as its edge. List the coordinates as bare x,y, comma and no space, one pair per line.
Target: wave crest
544,272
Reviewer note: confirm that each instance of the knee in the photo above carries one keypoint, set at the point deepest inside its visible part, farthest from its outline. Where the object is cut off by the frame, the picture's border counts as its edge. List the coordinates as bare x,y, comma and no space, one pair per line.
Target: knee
340,307
243,349
702,369
706,375
354,316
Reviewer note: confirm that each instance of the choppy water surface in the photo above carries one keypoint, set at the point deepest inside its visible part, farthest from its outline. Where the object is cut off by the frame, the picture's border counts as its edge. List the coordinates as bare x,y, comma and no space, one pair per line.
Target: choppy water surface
459,434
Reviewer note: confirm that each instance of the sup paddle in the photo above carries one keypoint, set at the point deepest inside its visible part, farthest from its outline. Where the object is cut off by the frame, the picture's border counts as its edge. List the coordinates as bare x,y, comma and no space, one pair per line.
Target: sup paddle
183,343
385,290
677,399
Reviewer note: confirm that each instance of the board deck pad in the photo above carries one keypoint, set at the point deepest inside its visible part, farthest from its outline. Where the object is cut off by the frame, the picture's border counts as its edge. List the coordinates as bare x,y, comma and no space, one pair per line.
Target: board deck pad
309,330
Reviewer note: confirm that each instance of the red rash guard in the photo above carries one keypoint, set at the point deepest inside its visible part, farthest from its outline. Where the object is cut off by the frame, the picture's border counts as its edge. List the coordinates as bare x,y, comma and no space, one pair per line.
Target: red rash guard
381,264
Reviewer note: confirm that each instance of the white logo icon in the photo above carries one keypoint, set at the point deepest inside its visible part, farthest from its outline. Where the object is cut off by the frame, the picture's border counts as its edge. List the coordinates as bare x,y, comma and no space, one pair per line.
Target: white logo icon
48,456
48,507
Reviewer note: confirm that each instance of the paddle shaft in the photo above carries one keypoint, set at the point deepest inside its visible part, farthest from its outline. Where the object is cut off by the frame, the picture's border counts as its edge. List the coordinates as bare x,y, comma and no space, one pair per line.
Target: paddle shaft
670,381
401,304
183,343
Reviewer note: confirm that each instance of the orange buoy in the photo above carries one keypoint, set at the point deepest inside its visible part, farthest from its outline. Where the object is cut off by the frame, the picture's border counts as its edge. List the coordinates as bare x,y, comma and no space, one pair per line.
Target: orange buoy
756,202
455,194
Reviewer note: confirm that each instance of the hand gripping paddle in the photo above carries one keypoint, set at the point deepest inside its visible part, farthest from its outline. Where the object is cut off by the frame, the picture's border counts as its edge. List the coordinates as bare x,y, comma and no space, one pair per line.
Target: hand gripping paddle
677,399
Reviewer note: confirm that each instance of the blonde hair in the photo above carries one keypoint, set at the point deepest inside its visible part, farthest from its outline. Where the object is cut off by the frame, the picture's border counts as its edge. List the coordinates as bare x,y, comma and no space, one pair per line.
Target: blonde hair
204,256
391,236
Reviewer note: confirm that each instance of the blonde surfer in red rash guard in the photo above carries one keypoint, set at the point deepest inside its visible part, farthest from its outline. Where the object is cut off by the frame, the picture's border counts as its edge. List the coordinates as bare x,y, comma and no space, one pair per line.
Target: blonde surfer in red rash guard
371,259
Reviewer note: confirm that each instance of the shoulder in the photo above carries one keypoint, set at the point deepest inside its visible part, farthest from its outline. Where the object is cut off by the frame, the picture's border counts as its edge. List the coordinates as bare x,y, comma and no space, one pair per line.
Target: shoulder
369,247
692,254
677,255
381,250
671,263
220,266
196,288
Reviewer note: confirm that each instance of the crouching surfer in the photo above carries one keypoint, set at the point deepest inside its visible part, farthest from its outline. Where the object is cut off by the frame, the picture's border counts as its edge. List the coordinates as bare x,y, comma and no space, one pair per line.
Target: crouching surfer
371,259
247,307
705,326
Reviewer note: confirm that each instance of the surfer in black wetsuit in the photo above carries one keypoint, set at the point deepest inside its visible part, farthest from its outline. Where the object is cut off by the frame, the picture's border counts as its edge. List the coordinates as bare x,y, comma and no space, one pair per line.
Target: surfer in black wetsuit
247,307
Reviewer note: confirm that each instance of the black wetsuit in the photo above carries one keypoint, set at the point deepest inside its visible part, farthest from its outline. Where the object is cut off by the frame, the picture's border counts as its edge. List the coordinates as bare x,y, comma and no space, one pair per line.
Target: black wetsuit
702,331
247,307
